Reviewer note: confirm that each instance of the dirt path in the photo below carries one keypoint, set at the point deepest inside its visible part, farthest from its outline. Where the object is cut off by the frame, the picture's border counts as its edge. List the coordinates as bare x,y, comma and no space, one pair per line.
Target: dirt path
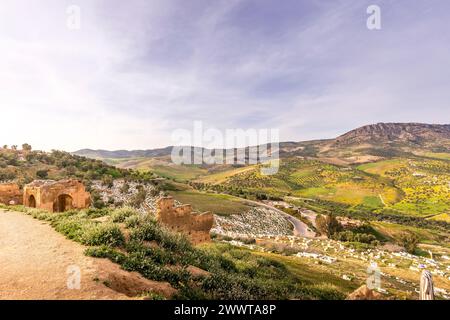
35,263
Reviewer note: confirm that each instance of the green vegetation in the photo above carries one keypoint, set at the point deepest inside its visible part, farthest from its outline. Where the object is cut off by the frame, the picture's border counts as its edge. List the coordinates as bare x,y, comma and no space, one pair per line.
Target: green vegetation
424,184
220,204
231,273
25,166
327,225
303,178
409,241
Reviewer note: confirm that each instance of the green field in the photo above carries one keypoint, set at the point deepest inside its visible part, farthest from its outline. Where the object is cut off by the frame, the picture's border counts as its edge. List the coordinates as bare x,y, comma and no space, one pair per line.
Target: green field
220,204
424,184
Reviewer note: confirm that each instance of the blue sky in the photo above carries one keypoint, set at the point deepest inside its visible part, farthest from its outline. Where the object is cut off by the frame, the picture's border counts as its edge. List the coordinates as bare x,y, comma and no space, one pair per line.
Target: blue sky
138,70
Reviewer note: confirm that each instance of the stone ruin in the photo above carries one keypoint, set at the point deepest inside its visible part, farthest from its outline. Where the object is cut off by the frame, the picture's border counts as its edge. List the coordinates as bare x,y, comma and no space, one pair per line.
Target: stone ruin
182,219
10,193
56,196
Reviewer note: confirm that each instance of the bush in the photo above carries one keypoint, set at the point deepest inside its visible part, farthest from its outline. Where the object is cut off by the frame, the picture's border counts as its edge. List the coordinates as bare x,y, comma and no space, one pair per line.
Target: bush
102,234
349,236
409,241
106,252
138,199
42,174
132,221
71,228
119,215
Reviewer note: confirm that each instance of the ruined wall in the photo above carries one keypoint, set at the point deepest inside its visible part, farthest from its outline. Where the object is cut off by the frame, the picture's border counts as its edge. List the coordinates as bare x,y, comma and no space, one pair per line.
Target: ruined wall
56,196
10,193
181,219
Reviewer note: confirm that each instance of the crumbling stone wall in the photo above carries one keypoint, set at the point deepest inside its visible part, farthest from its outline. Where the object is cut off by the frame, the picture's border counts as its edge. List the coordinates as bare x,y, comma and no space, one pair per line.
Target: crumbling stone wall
10,193
56,196
181,219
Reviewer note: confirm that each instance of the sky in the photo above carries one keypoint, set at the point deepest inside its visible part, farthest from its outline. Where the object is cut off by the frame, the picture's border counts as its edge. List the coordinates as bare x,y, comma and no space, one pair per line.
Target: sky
133,72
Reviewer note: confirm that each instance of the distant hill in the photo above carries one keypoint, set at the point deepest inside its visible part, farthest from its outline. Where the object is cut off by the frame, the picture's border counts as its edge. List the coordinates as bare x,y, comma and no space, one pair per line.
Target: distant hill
123,154
414,133
364,144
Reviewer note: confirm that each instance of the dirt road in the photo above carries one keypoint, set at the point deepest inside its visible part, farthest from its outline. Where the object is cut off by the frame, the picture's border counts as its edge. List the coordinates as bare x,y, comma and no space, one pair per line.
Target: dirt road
36,262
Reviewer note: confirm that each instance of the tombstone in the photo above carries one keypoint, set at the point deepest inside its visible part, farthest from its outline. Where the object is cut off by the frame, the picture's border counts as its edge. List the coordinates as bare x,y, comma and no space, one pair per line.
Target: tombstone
426,286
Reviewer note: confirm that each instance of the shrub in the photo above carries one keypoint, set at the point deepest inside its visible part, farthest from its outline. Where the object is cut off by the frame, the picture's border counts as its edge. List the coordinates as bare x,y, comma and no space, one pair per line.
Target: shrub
42,174
132,221
409,241
349,236
71,228
102,234
138,199
106,252
119,215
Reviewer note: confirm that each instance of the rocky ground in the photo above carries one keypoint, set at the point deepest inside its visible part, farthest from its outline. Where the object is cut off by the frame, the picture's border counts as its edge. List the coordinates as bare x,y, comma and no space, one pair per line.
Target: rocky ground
125,198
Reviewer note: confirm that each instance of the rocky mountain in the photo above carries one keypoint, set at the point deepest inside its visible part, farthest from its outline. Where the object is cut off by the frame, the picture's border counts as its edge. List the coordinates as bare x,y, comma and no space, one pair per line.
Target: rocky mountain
414,133
367,143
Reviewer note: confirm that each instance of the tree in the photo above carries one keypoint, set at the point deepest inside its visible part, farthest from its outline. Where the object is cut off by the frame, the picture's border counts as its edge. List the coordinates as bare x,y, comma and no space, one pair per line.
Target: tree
125,188
5,146
409,241
328,225
108,181
138,199
14,147
26,147
42,174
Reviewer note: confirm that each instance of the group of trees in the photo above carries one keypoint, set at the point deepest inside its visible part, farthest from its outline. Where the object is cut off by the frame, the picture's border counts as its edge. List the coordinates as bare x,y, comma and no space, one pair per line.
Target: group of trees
27,165
328,225
25,147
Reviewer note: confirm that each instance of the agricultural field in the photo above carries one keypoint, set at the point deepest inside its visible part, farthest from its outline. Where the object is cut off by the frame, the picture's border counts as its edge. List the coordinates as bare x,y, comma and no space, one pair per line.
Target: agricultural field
425,184
220,204
310,179
161,167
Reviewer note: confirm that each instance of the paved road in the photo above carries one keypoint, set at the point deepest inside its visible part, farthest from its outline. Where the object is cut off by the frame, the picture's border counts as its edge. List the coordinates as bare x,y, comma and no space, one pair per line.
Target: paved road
300,228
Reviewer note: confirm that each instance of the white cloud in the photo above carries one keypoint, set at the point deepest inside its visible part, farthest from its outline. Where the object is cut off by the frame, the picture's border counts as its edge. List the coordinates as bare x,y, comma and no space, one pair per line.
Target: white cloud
137,71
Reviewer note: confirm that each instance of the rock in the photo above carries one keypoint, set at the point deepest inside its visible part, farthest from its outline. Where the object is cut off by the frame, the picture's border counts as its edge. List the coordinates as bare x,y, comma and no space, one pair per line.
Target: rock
131,284
364,293
197,272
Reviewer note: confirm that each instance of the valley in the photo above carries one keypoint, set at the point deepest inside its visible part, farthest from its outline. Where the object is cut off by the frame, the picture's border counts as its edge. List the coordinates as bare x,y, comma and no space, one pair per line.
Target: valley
393,179
310,231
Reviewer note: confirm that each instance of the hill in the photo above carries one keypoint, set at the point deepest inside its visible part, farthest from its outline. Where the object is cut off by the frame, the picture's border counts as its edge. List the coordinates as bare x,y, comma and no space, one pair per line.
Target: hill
387,133
364,144
123,154
25,166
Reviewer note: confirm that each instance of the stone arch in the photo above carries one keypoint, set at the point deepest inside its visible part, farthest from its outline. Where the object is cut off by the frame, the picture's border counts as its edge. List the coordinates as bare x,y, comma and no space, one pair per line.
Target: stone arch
63,203
32,201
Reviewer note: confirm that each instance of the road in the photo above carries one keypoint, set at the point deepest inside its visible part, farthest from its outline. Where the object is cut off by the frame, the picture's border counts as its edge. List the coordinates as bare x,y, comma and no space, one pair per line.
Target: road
300,228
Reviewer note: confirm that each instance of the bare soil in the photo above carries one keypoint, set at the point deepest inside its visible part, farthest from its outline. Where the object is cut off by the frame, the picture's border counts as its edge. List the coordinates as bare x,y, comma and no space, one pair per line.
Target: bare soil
36,262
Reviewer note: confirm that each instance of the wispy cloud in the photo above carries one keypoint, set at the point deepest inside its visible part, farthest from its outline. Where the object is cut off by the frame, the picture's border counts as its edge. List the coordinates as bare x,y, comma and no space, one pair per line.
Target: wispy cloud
138,70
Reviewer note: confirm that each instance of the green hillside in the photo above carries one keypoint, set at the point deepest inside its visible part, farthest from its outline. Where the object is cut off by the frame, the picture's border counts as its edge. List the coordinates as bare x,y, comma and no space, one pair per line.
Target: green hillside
25,166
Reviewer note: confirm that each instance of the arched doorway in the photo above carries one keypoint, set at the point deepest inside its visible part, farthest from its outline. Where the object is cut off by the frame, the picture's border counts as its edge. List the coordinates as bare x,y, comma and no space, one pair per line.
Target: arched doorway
32,201
63,203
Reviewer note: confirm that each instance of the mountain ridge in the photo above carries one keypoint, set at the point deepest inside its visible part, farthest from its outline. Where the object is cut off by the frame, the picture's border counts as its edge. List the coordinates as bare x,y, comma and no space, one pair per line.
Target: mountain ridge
378,135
